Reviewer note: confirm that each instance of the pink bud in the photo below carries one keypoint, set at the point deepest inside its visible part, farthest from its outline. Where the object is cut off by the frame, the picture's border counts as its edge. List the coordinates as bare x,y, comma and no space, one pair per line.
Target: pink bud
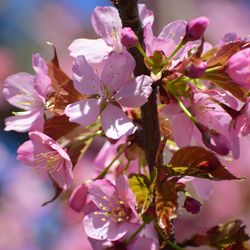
196,28
196,70
192,205
238,68
214,140
128,37
78,198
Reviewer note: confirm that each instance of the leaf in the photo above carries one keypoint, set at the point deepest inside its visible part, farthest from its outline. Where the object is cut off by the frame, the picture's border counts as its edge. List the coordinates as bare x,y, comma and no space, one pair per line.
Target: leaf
142,190
64,91
222,80
58,126
166,204
77,150
224,53
228,236
198,162
74,138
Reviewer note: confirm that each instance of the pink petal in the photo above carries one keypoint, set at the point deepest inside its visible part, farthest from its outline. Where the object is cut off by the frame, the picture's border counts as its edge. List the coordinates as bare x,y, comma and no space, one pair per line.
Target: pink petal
84,112
118,70
96,225
94,50
182,130
102,193
42,85
149,39
78,198
234,141
124,192
39,64
85,79
203,187
63,176
136,92
19,91
146,15
115,123
25,121
118,230
174,31
25,153
106,22
143,243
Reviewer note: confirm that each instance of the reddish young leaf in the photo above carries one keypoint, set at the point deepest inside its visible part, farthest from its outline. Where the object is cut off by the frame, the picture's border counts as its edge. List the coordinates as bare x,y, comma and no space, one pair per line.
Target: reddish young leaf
223,53
64,93
166,204
198,162
228,236
222,80
58,126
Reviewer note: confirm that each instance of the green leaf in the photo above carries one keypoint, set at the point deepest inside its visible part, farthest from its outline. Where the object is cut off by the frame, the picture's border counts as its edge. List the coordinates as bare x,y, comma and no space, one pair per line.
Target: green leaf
228,236
143,191
198,162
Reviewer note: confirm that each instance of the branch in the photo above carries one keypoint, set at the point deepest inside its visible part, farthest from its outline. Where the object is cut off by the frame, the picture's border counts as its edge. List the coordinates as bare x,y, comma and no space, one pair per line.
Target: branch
128,11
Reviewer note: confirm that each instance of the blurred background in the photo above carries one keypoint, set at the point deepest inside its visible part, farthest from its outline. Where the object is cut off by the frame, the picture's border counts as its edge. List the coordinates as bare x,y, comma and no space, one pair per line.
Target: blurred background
25,27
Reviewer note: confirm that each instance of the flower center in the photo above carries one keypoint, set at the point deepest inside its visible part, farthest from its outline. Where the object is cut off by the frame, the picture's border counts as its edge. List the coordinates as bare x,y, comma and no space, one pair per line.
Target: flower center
116,211
48,161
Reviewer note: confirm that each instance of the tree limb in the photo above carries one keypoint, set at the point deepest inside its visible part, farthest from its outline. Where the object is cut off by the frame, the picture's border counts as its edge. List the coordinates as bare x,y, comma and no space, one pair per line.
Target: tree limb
128,11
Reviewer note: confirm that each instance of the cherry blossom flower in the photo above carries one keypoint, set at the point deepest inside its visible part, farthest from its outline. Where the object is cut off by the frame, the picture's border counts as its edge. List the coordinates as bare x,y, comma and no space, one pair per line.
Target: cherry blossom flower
147,239
214,130
107,93
170,36
46,155
115,214
107,25
29,93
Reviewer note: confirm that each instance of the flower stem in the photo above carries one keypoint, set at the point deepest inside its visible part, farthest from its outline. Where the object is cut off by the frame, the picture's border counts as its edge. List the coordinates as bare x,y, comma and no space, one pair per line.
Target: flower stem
132,237
178,47
105,171
174,246
141,50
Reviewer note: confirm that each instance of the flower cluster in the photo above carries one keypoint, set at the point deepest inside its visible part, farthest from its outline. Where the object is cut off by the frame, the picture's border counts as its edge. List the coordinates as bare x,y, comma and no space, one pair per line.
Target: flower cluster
200,92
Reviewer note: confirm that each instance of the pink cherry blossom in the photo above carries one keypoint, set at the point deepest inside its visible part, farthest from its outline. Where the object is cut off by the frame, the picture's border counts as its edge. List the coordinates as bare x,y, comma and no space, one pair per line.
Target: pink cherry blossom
214,130
170,36
115,214
46,155
107,93
29,93
147,239
108,26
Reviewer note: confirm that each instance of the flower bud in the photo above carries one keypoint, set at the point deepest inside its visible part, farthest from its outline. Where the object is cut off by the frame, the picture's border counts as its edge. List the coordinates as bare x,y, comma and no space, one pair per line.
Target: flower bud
213,140
196,28
216,142
78,198
128,37
196,70
238,68
192,205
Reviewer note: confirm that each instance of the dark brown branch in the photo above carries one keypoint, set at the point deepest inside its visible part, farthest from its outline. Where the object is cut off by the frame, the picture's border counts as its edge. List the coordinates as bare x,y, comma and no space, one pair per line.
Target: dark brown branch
128,11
